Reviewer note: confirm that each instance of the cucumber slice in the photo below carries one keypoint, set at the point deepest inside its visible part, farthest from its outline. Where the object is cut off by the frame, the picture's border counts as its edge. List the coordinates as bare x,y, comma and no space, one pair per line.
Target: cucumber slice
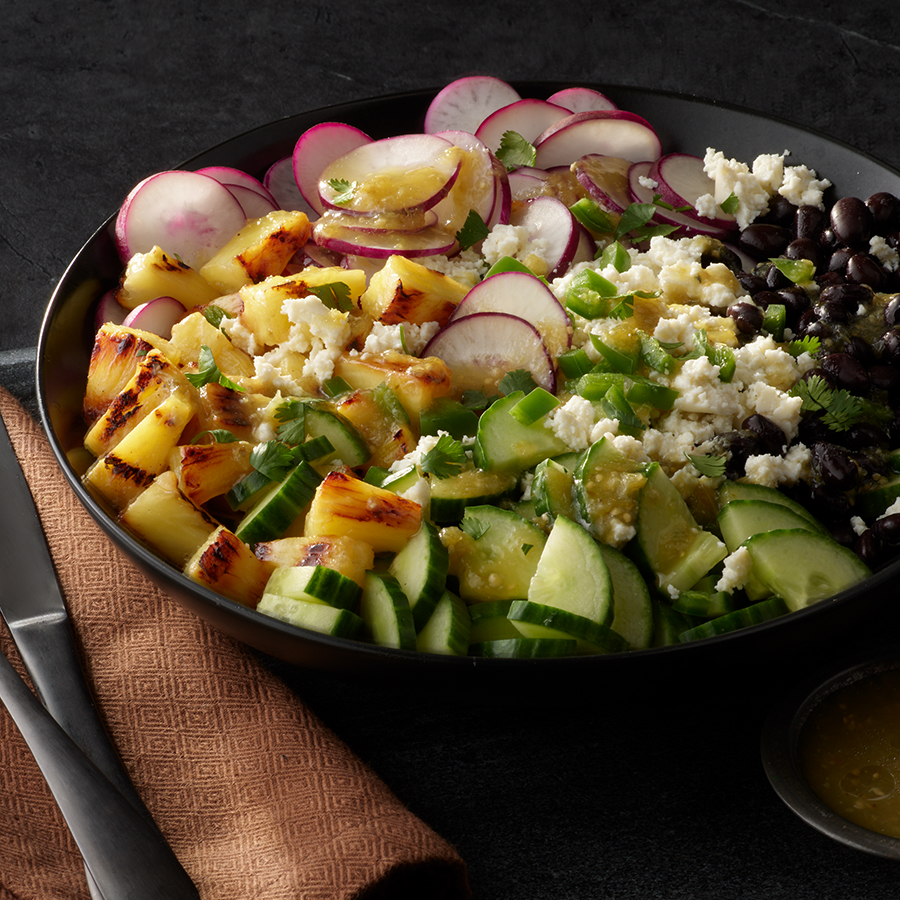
447,631
502,442
490,622
421,571
607,487
739,490
386,613
315,584
471,487
740,618
499,563
674,549
279,505
668,624
535,620
349,446
632,609
552,490
524,648
401,481
704,604
804,567
448,415
572,575
314,616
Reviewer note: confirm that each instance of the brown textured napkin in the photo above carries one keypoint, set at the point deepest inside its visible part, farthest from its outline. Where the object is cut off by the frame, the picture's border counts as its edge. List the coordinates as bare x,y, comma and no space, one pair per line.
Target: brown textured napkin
256,796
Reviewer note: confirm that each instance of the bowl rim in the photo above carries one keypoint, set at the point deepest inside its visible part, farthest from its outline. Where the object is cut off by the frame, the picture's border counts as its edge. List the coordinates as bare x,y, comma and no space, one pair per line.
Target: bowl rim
780,741
369,651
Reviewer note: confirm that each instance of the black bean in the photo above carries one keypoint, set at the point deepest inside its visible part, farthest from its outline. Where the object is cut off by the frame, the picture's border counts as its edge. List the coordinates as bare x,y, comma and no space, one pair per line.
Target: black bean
828,279
888,529
842,301
885,209
890,347
765,298
776,279
781,211
808,222
839,258
834,466
772,438
865,436
885,378
810,325
861,349
764,241
804,248
852,222
829,504
794,300
747,317
843,533
846,372
751,282
868,548
892,312
863,268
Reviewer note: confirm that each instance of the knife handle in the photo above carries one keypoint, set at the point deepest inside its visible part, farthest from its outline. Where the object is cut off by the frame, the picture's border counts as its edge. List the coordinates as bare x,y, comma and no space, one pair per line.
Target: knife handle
127,857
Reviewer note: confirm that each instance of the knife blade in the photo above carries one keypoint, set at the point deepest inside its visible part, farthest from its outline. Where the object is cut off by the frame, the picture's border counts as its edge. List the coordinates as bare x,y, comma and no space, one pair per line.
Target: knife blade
33,606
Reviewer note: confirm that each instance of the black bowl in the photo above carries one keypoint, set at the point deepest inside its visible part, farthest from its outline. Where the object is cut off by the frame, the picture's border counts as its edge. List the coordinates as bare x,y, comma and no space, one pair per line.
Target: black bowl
684,123
781,743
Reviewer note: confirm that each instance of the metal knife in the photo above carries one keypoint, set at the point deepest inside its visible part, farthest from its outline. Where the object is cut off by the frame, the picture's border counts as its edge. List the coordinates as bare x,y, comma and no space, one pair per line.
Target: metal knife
33,607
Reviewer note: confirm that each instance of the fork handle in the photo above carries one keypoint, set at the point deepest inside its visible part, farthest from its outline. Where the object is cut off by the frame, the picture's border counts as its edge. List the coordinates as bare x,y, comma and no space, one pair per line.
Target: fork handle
126,856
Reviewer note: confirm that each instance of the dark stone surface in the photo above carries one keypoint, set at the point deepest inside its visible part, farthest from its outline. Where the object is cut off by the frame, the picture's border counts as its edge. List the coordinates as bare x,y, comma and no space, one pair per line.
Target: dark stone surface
661,795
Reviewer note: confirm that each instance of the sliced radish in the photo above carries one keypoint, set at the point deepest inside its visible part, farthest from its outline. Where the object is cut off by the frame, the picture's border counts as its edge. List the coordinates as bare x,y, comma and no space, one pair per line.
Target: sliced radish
528,117
610,132
156,316
426,242
523,295
403,223
526,184
109,310
410,171
229,176
311,254
587,246
682,180
548,220
465,103
480,349
581,99
280,182
254,204
502,195
316,149
605,178
187,214
643,193
476,185
367,264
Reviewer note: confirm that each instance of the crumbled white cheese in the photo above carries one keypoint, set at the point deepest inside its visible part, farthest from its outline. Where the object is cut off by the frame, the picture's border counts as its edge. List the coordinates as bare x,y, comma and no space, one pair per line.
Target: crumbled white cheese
802,188
738,567
733,177
393,337
467,267
513,240
414,457
884,253
857,523
648,183
773,471
572,422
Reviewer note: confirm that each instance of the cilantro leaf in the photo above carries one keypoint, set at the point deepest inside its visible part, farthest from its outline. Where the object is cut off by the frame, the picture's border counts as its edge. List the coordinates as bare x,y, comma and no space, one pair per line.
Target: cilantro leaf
447,457
274,459
208,372
472,231
219,436
476,400
636,215
839,408
214,315
517,380
709,465
292,416
515,151
809,344
334,294
474,527
343,190
730,204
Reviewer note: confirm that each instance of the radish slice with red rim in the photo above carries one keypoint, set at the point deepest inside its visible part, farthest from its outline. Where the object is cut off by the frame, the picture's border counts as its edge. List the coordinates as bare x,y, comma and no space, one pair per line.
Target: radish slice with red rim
605,178
528,118
610,132
480,349
396,223
316,149
156,316
682,180
409,171
187,214
523,295
642,192
581,99
523,185
280,182
548,221
229,176
502,195
254,204
466,102
109,310
425,242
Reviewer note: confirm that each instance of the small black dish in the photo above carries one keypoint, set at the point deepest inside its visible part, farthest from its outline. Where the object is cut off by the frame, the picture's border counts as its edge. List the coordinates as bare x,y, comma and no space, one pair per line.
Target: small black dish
781,740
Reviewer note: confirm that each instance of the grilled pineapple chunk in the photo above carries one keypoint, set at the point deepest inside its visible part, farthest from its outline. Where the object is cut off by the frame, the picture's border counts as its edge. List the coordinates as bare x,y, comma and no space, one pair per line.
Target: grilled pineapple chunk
416,382
344,505
381,420
228,566
204,471
167,521
154,379
116,353
194,331
261,248
120,475
223,407
344,554
407,291
156,274
262,313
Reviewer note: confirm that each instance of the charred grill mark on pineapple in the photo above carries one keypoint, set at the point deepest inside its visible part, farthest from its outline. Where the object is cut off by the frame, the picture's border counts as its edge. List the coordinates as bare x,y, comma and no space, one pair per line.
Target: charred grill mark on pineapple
125,472
114,357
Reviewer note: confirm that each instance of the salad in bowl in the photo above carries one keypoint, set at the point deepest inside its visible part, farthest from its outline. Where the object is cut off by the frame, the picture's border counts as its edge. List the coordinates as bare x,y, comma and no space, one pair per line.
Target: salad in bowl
522,384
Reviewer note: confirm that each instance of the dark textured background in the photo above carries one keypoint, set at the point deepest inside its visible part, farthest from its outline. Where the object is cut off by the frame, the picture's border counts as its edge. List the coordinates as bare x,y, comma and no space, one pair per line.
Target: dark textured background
600,795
